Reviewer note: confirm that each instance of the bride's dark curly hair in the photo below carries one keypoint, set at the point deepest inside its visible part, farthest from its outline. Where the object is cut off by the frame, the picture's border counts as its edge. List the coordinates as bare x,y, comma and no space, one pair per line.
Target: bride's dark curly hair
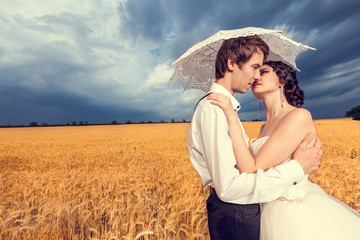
287,76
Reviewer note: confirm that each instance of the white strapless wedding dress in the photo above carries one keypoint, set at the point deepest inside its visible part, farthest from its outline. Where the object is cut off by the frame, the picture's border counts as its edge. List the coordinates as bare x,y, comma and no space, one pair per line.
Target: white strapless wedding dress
306,212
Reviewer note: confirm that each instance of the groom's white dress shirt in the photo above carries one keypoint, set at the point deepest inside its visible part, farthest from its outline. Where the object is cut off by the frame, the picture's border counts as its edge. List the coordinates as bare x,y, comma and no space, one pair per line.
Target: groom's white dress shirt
211,154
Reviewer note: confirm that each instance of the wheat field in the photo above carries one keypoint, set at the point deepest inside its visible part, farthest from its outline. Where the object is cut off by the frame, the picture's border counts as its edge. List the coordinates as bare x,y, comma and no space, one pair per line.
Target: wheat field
131,181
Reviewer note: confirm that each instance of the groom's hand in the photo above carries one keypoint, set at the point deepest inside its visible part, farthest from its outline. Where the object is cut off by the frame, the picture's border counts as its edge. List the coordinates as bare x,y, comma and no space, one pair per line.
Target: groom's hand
309,158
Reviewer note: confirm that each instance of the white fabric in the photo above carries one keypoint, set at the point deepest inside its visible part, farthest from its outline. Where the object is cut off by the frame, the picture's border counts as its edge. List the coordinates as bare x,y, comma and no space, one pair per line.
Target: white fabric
196,67
213,158
306,212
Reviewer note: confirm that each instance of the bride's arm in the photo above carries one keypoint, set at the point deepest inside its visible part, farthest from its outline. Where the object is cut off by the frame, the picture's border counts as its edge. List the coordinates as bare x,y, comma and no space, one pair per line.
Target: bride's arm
244,160
286,138
280,145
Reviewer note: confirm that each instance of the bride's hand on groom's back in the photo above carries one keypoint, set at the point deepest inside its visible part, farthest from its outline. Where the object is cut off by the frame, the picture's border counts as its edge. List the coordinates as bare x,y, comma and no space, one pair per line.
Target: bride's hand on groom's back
309,158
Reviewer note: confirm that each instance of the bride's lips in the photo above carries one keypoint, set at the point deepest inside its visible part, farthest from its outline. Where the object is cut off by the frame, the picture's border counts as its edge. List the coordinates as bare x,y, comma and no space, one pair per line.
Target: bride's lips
256,84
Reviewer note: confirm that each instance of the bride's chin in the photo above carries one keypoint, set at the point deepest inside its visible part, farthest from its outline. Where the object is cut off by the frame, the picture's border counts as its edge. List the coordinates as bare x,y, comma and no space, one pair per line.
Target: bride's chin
257,95
258,98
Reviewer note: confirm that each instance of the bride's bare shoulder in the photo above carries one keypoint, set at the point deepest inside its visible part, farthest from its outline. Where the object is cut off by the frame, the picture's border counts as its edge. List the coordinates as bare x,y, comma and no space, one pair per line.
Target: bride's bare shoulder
300,113
299,116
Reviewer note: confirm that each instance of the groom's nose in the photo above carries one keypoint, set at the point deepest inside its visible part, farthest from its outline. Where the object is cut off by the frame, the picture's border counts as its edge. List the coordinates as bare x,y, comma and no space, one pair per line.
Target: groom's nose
257,74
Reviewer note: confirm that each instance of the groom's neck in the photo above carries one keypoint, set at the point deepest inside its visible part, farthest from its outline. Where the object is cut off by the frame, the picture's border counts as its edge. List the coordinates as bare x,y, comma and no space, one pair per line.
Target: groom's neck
226,83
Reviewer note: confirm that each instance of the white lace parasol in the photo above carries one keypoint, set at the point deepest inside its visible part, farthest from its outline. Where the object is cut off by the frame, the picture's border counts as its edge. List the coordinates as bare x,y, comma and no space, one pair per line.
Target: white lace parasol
196,67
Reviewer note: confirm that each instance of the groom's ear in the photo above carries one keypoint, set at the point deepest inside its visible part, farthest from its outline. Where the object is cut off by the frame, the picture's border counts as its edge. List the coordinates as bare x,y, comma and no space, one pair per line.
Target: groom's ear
231,64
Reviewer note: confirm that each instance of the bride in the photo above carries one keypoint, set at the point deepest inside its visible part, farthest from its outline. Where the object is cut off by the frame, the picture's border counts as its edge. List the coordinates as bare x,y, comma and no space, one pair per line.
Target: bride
305,211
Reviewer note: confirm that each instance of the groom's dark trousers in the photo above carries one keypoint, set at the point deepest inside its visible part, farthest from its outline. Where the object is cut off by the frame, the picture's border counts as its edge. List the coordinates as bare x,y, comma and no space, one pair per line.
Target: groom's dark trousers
229,221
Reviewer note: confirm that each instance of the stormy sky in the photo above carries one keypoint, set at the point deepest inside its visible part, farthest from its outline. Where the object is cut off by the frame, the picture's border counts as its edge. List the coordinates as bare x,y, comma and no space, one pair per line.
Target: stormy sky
98,61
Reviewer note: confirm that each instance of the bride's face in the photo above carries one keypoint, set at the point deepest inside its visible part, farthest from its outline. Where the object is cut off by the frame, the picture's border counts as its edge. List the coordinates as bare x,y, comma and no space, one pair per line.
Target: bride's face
268,82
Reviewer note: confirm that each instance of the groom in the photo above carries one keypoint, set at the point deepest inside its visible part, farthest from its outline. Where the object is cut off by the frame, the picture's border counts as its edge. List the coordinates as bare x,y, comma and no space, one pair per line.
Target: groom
233,205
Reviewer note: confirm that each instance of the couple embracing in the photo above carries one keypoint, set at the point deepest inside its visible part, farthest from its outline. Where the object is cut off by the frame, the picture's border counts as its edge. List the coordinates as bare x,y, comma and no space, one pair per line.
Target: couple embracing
262,191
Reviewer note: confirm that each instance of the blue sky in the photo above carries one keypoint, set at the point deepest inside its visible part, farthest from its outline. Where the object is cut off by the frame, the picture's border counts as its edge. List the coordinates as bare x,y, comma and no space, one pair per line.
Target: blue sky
98,61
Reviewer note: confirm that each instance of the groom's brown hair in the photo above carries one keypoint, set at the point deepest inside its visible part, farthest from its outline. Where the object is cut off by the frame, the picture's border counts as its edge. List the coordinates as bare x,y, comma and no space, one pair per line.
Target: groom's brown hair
240,49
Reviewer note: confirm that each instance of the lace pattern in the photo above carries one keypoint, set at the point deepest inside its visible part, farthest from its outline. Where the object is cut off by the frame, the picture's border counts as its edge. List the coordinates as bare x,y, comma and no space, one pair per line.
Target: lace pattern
196,67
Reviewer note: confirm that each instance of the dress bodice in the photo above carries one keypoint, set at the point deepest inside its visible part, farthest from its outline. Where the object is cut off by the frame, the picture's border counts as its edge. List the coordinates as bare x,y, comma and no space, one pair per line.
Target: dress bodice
297,192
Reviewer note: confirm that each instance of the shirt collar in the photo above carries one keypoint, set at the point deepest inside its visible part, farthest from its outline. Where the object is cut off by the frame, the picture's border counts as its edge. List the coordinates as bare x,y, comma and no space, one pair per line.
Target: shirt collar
220,89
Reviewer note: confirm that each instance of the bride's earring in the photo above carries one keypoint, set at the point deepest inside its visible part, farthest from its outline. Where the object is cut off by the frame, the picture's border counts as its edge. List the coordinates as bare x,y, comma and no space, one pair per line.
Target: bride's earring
260,107
282,96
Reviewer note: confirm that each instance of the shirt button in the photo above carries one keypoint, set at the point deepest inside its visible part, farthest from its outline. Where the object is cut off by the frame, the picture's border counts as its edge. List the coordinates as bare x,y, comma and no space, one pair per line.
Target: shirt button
294,183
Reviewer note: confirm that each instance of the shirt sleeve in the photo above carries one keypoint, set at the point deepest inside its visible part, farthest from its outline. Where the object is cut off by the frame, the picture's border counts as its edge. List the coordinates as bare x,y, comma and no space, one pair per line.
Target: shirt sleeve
230,185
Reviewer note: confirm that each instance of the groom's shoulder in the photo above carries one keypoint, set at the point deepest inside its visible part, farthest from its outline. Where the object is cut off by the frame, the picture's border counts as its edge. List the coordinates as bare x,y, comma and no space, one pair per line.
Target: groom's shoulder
205,105
205,110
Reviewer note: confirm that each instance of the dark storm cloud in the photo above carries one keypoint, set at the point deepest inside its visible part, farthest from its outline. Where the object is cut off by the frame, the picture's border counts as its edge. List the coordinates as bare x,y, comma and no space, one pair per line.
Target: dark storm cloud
24,105
104,59
309,14
337,40
329,26
41,90
144,19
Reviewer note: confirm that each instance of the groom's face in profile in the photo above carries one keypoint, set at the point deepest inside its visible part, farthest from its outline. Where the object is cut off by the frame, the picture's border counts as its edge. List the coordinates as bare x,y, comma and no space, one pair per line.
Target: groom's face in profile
242,79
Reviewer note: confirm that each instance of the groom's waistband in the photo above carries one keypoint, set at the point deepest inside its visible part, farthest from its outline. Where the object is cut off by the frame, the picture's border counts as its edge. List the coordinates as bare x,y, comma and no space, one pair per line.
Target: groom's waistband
213,192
